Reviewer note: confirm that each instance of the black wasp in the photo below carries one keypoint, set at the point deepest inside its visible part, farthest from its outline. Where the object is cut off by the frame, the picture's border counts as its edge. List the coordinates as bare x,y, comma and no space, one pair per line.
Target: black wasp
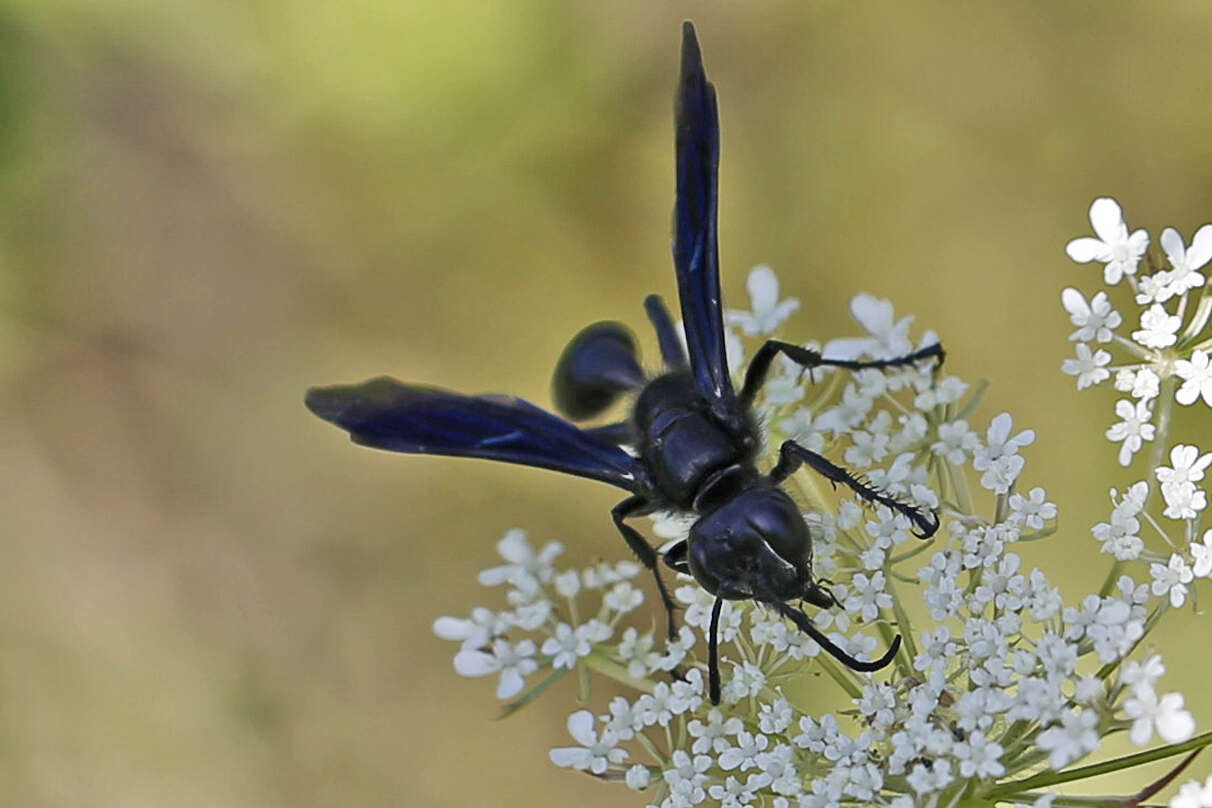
695,438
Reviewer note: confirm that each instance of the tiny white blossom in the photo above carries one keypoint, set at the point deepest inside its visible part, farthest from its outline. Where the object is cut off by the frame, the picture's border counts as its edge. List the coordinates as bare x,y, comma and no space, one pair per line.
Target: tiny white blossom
623,597
1114,247
889,336
595,753
955,442
1201,552
1090,368
566,646
1197,379
1158,328
1173,723
1172,579
1095,320
638,777
1187,465
712,734
1072,740
1193,795
1186,263
768,311
513,662
474,632
999,459
979,757
1183,500
1133,430
1032,510
525,564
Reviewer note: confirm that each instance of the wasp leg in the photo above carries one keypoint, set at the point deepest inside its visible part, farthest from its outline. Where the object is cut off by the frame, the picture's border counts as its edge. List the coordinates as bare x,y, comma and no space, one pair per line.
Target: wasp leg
639,506
755,376
667,335
792,456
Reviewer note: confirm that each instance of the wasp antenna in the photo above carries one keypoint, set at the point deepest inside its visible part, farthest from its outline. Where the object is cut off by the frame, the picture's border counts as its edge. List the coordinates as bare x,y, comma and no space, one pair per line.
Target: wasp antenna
713,652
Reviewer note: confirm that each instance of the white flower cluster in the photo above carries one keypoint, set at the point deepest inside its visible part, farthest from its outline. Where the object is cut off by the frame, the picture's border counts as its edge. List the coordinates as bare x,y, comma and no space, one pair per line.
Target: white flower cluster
1004,679
1164,361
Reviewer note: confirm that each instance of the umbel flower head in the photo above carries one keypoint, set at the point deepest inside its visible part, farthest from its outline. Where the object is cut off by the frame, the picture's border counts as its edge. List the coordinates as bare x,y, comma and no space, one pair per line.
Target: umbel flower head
1001,692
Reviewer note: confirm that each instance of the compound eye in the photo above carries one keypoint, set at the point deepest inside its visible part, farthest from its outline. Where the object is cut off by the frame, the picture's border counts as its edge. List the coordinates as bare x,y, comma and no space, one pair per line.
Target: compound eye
781,526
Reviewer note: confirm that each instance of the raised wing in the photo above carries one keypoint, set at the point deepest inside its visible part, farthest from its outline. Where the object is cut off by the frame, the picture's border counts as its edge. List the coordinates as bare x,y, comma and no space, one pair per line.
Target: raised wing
386,414
695,243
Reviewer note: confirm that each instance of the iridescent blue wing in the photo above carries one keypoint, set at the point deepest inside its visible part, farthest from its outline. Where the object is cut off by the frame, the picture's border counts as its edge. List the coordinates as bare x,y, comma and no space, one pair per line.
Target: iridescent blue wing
386,414
695,243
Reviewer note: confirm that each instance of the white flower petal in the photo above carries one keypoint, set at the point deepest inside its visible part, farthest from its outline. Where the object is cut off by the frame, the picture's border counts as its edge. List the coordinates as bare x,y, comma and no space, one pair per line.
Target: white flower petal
1172,244
763,288
1201,248
1107,219
474,663
1085,250
580,727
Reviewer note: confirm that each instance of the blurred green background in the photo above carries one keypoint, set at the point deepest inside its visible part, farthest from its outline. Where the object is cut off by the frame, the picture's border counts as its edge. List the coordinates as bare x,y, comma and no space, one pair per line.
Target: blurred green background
208,597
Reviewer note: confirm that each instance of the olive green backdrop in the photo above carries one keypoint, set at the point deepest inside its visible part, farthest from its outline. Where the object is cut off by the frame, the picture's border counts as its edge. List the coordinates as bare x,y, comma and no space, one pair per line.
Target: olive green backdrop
208,597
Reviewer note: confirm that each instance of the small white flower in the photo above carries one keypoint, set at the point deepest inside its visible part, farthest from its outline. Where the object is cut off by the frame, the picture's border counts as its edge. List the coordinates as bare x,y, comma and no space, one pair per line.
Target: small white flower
999,459
474,632
1197,378
1090,368
712,735
1073,739
1187,465
979,757
955,442
745,753
638,777
623,597
566,646
1172,578
513,662
1201,552
1173,723
1032,510
1183,500
889,336
1158,328
525,565
594,754
1143,675
1133,430
1095,320
775,717
1193,795
1114,247
768,311
1186,263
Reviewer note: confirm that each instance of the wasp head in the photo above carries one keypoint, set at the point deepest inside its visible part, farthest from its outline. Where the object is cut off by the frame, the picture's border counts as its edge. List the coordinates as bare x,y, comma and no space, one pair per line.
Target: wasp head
755,545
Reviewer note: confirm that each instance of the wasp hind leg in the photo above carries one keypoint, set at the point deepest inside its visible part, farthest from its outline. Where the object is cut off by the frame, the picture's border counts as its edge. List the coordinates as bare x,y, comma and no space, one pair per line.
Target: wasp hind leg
755,376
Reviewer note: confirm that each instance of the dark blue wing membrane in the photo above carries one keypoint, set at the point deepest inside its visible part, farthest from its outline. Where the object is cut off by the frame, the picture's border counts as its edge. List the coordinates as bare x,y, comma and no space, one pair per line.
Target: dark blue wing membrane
387,414
695,243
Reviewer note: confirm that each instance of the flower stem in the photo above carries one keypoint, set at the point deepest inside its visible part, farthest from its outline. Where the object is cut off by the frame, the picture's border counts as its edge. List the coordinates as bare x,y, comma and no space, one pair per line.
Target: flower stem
1050,778
612,670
